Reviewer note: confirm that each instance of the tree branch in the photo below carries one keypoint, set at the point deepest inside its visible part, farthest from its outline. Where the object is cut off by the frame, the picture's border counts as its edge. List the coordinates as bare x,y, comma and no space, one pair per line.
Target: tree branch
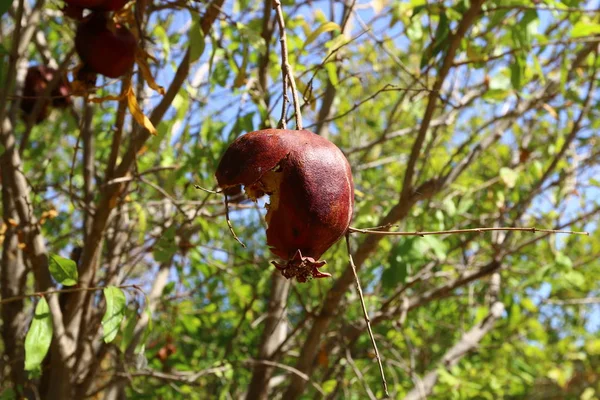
468,342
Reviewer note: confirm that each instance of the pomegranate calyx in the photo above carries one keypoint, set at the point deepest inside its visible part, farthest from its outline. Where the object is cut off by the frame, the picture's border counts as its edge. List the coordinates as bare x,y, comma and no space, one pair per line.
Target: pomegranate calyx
302,268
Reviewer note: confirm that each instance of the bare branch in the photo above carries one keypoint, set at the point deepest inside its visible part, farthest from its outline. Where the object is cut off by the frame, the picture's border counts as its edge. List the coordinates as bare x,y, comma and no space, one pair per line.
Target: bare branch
454,231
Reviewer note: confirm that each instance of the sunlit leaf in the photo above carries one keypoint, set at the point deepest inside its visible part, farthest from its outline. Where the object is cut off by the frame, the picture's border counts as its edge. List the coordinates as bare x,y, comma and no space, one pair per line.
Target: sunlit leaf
137,113
115,311
63,270
439,42
39,336
583,28
508,176
326,27
196,39
141,59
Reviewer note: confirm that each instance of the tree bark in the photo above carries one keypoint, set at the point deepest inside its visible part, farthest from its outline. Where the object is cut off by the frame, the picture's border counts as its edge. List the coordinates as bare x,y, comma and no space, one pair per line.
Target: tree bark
274,333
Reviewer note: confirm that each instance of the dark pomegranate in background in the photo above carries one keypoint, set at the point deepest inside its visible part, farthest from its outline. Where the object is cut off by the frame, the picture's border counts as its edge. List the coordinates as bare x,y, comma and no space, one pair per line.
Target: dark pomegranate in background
97,5
105,48
36,81
311,191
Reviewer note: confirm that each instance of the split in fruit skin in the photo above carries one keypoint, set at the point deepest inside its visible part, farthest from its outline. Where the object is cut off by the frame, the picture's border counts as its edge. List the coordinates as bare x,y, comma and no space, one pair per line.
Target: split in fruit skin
311,191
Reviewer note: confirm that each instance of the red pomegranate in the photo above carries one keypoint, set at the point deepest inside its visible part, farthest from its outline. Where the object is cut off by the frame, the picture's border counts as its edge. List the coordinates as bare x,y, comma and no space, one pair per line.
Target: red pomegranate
97,5
311,191
36,81
106,48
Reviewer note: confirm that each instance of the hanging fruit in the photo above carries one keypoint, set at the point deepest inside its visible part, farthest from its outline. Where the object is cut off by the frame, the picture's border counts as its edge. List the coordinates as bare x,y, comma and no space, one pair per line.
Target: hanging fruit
36,81
105,47
311,191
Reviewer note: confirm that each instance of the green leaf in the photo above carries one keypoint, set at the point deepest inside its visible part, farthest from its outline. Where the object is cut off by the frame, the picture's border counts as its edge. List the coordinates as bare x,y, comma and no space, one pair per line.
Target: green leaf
8,394
499,82
509,177
196,38
564,74
517,71
514,316
397,271
449,206
115,311
39,336
329,386
63,270
4,6
332,73
562,261
142,222
582,28
440,42
437,245
326,27
127,336
161,35
575,279
522,31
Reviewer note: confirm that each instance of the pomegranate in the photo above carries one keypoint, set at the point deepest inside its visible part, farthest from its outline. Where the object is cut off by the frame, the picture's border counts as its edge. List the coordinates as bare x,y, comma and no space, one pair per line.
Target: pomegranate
104,47
311,191
97,5
37,79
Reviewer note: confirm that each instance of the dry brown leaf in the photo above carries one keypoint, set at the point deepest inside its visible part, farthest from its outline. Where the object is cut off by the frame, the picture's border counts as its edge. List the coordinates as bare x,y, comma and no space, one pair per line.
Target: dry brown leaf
140,58
105,98
137,113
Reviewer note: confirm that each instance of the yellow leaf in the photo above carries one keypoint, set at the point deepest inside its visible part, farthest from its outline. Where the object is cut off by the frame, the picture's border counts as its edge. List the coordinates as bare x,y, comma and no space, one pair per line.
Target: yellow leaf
137,113
326,27
140,58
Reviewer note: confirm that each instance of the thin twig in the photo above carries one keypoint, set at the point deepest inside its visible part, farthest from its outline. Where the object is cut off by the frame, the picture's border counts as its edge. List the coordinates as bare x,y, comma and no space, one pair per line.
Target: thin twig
70,290
377,231
208,190
287,69
585,300
366,314
229,223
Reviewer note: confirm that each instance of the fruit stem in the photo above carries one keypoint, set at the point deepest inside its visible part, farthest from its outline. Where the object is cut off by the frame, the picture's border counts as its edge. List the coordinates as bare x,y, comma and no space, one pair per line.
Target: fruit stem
366,314
286,70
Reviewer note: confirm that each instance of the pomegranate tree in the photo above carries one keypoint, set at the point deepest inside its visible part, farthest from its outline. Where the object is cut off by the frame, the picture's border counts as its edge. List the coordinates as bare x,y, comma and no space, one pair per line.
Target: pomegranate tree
311,191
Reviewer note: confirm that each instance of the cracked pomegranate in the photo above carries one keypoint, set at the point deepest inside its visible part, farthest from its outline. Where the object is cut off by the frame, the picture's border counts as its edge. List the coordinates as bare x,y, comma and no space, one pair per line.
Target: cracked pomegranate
105,47
311,191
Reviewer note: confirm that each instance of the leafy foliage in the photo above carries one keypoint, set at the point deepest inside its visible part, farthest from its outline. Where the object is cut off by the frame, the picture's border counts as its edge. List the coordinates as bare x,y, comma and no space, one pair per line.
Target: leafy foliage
508,137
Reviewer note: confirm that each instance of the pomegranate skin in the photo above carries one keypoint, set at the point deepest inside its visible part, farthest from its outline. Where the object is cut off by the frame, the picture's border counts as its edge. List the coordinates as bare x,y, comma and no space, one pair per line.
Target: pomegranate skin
103,51
97,5
311,188
37,79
